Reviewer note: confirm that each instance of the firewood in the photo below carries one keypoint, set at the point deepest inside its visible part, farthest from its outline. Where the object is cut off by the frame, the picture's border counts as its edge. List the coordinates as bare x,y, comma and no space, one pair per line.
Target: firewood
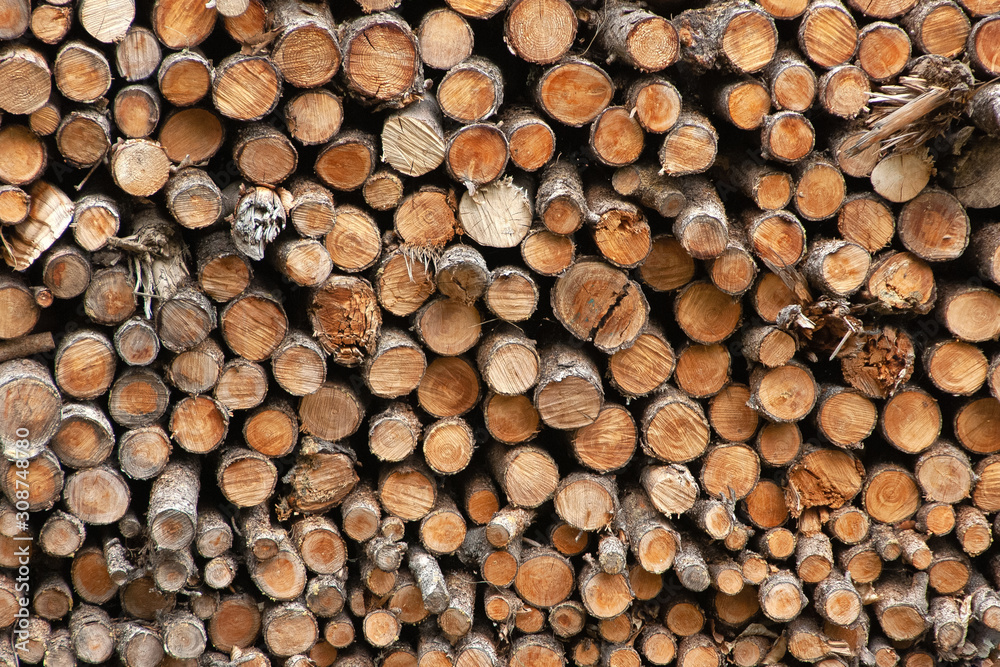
370,70
984,496
446,38
81,72
19,308
14,204
449,387
972,530
569,394
448,326
560,202
619,229
939,27
609,442
981,52
843,91
140,167
528,475
902,607
547,253
443,529
883,49
25,155
184,78
306,50
448,445
346,161
62,534
90,629
820,190
828,34
616,138
573,91
949,569
512,294
194,133
897,177
413,138
394,433
787,136
85,437
136,111
690,147
969,429
471,91
744,103
935,518
532,142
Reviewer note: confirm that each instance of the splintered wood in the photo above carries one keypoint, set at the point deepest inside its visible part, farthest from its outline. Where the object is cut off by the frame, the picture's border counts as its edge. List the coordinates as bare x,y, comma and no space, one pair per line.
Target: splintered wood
600,333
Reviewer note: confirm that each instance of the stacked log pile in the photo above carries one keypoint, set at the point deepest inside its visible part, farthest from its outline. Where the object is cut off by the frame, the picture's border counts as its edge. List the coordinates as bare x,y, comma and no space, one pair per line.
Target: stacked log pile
527,332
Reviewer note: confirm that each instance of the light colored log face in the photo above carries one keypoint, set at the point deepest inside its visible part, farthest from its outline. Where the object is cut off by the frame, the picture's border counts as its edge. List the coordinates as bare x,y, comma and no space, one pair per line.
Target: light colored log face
601,319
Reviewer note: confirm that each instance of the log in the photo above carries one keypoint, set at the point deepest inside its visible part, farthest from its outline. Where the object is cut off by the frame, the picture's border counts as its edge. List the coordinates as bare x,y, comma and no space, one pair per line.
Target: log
380,59
445,37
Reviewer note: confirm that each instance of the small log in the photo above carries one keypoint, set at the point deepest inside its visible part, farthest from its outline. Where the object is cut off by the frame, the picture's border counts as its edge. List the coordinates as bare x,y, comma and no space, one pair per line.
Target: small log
388,73
568,376
902,608
62,534
939,27
214,535
787,136
196,134
305,49
559,91
91,634
539,31
136,111
828,34
527,475
445,38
